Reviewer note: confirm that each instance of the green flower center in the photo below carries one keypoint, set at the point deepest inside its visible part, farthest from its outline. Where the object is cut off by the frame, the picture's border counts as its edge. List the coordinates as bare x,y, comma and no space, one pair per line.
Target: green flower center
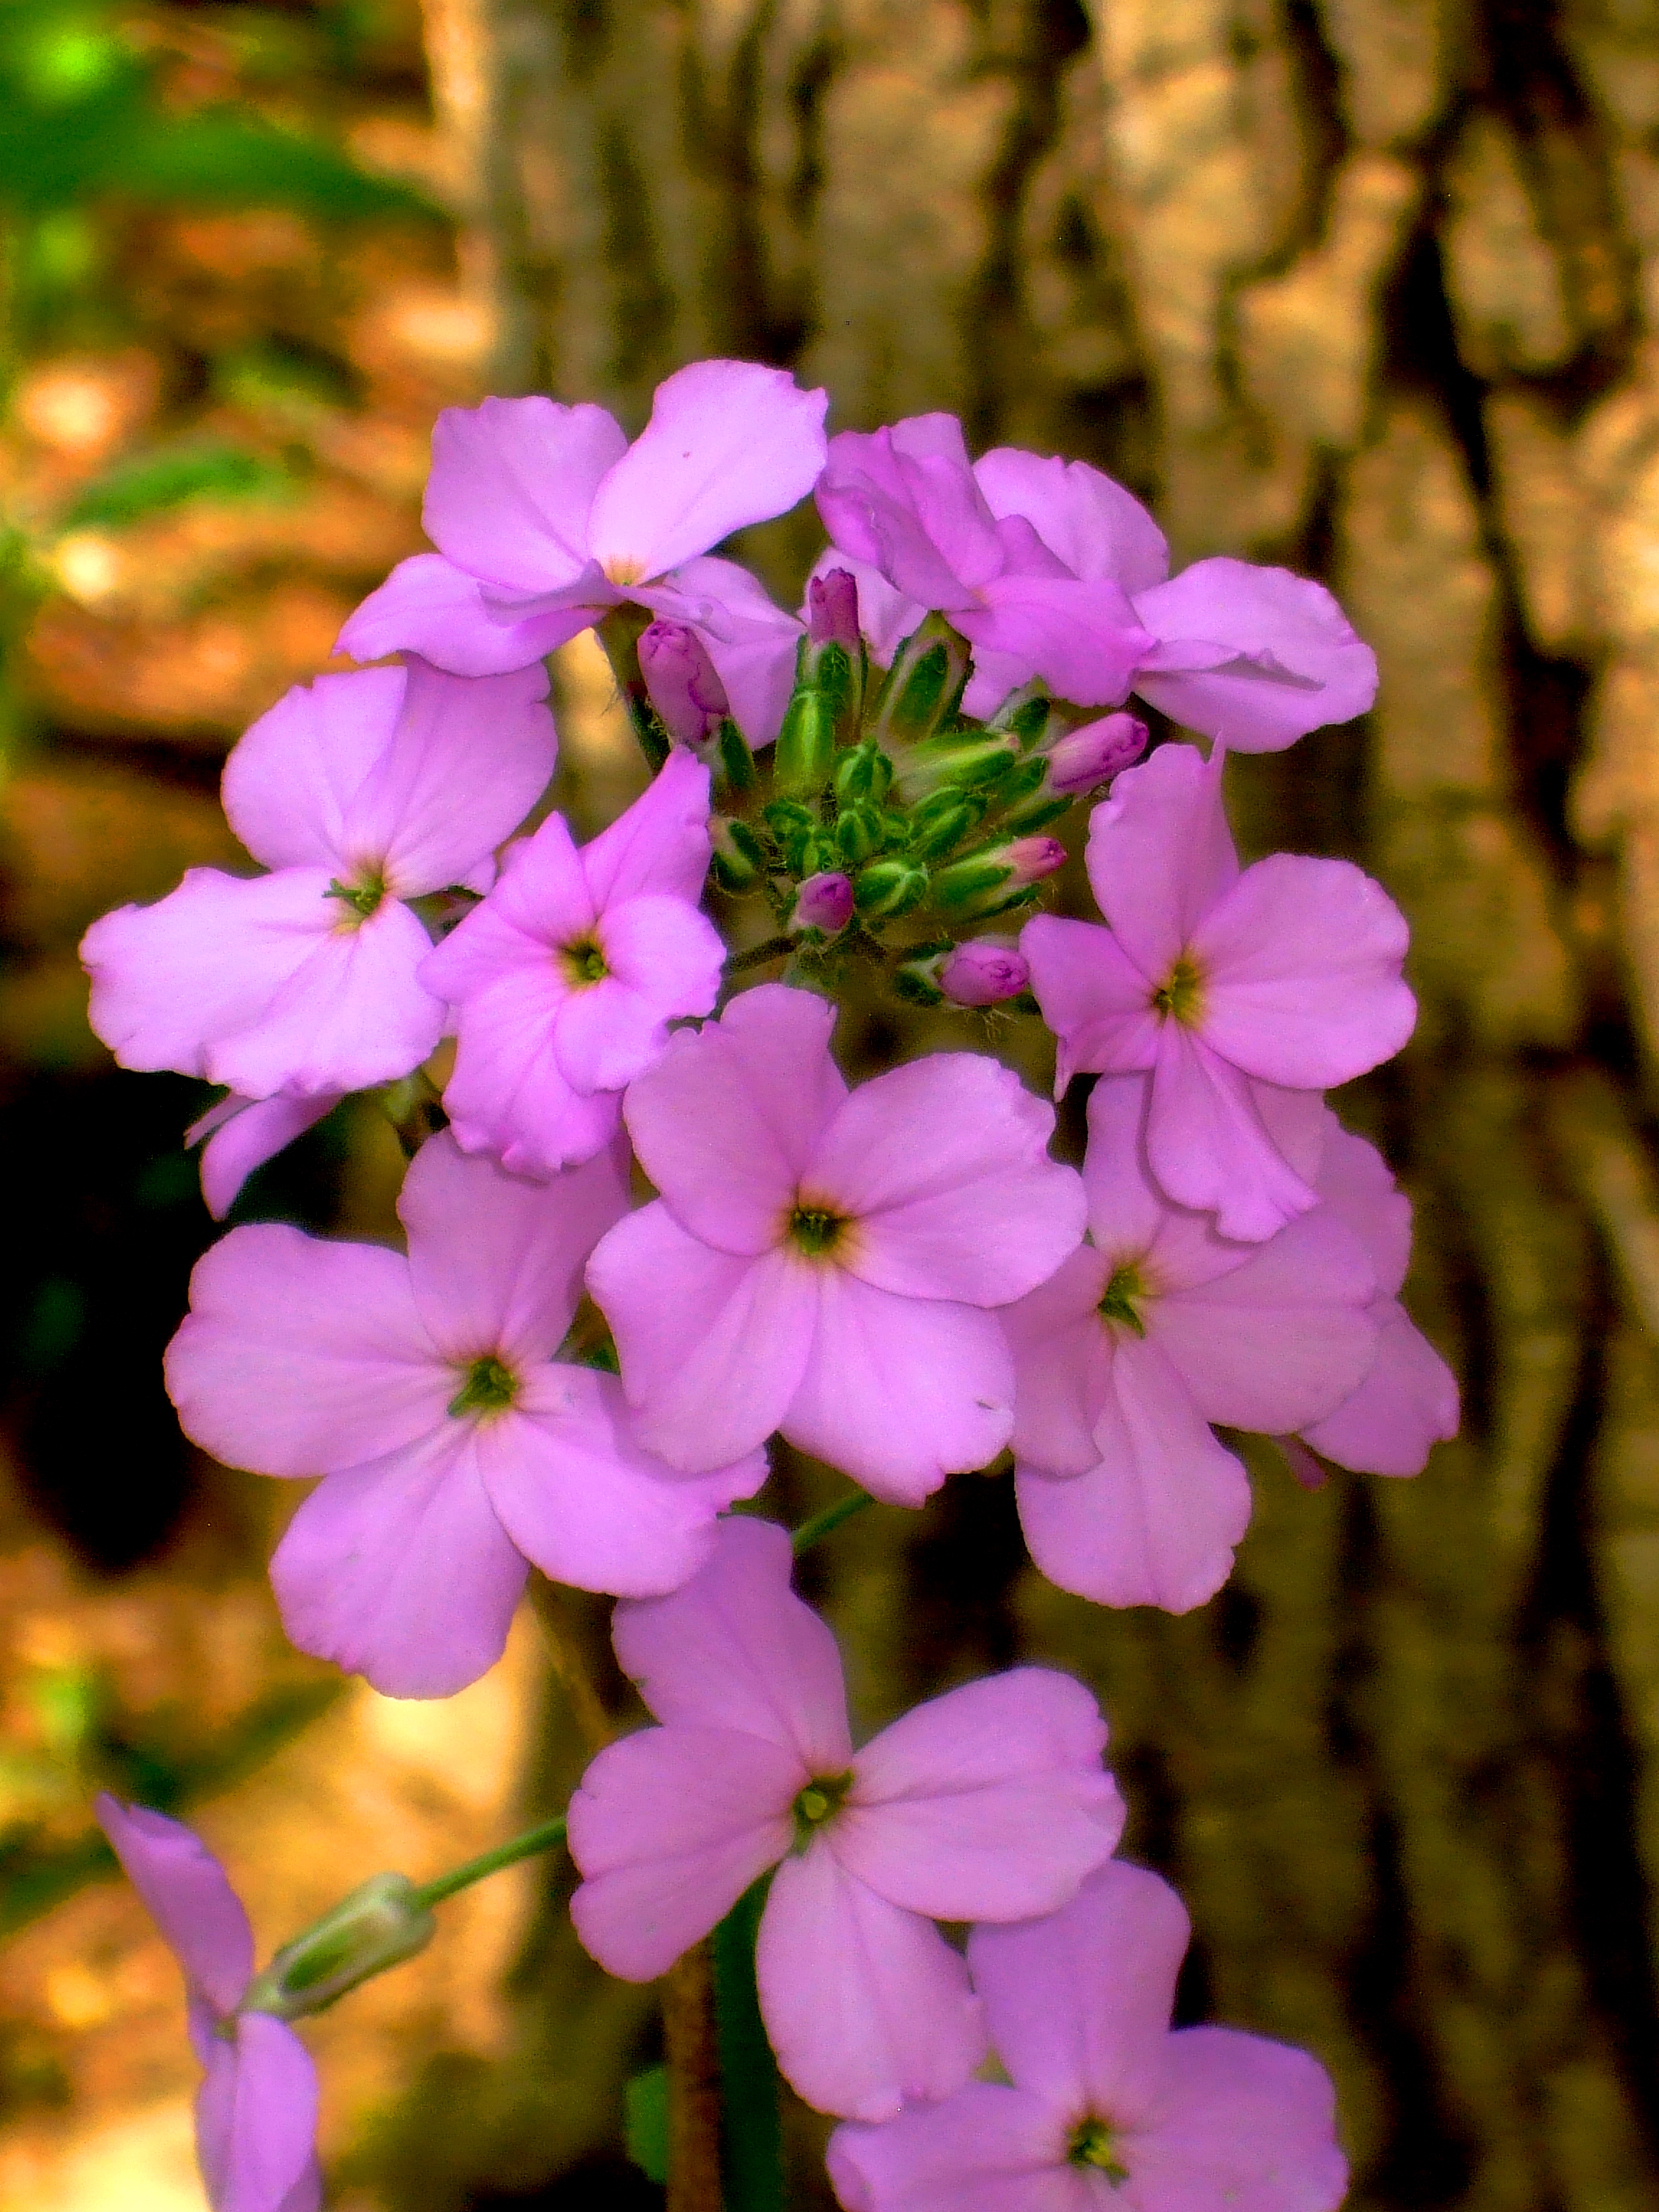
1093,2143
1118,1302
362,898
820,1800
816,1230
1179,997
488,1388
583,961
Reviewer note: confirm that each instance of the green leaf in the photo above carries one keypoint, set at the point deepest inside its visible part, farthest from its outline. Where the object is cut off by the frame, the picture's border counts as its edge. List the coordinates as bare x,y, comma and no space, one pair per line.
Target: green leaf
148,483
225,157
645,2118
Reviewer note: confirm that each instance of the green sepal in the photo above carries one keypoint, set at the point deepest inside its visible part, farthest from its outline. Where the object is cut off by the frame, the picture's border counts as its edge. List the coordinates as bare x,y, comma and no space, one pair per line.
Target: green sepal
1036,814
734,764
859,833
866,772
804,757
964,883
938,828
889,887
739,859
1024,713
378,1925
924,685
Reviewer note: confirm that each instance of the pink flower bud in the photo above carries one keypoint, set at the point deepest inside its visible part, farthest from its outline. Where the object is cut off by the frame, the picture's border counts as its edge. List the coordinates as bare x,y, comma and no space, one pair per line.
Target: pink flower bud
832,609
1087,756
823,902
982,971
1033,858
688,695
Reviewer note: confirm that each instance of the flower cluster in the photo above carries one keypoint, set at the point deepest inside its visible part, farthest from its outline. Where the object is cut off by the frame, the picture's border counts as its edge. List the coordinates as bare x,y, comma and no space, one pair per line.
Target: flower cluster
896,1276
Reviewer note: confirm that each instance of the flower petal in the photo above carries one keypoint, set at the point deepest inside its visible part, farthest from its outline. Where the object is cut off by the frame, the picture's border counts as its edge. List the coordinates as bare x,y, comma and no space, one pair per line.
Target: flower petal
904,500
511,484
729,443
1160,855
507,1093
1096,1000
1062,1365
988,1803
291,777
255,2121
735,1649
1083,640
865,2005
1099,530
254,1131
1406,1405
899,1392
750,639
986,2149
1356,1183
401,1571
299,1355
659,847
495,1261
669,1827
665,961
429,606
886,617
1242,2121
188,1896
1208,1147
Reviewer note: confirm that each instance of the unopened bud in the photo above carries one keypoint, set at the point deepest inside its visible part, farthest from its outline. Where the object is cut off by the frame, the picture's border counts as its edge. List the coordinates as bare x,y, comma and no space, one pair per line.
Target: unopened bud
738,859
1087,757
940,823
1025,712
866,772
804,757
982,972
378,1926
859,832
999,871
823,902
681,683
971,762
923,685
832,610
889,887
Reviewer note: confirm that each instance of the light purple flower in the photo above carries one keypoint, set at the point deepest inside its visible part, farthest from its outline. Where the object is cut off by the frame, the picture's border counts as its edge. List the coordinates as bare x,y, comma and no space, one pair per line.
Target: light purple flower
823,1263
359,793
988,1803
983,972
256,2110
1254,656
1094,754
545,517
1154,1330
243,1133
563,983
681,683
1219,982
823,902
1105,2105
1407,1401
425,1390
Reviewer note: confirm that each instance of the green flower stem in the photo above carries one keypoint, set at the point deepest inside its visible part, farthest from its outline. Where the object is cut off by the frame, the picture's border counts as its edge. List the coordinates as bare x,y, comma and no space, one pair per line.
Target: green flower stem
825,1523
547,1838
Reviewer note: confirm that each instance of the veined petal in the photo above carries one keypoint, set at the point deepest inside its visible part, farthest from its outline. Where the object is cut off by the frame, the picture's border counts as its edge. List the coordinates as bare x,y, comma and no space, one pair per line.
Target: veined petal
1407,1404
1356,1183
508,1093
244,1137
1101,531
1081,639
657,846
256,2120
1160,855
291,777
511,484
429,606
1126,1212
540,904
1241,2122
989,2148
1096,1000
1063,1367
665,960
187,1895
903,499
1208,1147
750,640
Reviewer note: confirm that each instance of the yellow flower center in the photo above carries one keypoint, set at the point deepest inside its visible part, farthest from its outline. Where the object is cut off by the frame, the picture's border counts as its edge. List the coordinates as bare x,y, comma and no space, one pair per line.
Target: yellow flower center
1180,996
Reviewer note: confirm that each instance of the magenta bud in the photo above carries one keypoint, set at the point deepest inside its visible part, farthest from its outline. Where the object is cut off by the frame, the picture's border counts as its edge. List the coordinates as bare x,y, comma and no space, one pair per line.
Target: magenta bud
983,971
1033,858
684,689
823,902
1091,756
832,610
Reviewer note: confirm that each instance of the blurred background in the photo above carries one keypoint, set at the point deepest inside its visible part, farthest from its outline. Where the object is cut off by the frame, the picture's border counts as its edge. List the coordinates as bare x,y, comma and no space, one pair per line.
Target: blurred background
1370,287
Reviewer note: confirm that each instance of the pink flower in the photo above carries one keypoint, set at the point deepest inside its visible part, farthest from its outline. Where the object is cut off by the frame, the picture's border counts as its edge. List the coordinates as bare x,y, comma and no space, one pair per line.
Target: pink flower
256,2110
563,983
545,517
1105,2105
824,901
359,793
1218,982
989,1803
1407,1401
243,1133
822,1263
1254,656
425,1390
982,972
688,697
1086,757
1151,1332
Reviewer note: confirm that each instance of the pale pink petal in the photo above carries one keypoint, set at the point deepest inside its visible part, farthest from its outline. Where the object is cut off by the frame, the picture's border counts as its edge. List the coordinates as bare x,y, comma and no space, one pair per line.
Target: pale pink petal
1356,1183
1125,1212
900,1392
495,1261
668,1829
1208,1147
290,781
255,2121
712,1345
429,606
728,1120
1081,639
1156,1521
1077,2005
511,486
251,1133
886,617
351,1014
401,1571
1160,855
729,443
657,846
748,638
585,1503
943,1164
1243,2125
507,1093
1099,529
665,961
1272,1345
1298,1122
988,1803
188,1896
1096,1000
737,1649
986,2149
299,1355
1063,1367
1284,658
169,980
904,500
1406,1405
469,758
866,2006
1301,982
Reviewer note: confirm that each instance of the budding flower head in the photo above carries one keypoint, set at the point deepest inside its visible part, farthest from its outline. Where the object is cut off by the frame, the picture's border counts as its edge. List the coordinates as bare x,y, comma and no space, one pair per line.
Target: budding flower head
832,609
688,697
823,902
378,1925
982,972
1086,757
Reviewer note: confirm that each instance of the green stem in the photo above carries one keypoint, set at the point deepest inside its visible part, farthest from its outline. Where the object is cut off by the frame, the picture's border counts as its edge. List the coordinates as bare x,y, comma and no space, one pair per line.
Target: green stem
825,1523
758,955
547,1838
752,2134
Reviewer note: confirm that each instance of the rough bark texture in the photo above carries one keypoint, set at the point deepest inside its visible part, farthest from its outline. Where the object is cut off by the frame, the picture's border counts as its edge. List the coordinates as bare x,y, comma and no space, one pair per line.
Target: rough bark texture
1371,287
